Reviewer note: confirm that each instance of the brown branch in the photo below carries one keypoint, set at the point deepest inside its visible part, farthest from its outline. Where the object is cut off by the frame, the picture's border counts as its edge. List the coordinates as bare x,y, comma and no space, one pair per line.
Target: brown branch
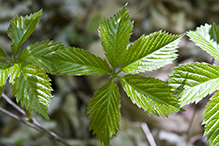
13,104
33,123
49,133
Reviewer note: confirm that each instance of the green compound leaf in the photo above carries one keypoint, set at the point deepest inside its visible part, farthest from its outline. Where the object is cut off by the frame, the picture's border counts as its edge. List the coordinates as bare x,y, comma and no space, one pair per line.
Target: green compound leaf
151,94
39,53
2,55
104,113
211,120
115,34
206,37
31,87
150,52
75,61
197,79
21,28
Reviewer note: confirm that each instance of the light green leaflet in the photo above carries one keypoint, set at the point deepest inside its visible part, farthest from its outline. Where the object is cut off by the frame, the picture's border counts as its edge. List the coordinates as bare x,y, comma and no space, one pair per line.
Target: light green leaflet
203,79
21,28
104,113
207,38
150,52
75,61
211,120
31,87
115,34
3,78
197,79
151,94
40,53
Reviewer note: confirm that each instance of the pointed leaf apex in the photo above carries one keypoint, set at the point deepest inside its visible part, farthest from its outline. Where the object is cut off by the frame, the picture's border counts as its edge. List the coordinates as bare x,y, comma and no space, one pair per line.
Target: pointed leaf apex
21,28
2,55
115,34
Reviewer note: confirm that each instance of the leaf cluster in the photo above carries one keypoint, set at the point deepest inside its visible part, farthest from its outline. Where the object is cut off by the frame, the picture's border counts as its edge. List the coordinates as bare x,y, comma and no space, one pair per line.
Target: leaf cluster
149,52
196,80
28,78
27,72
31,86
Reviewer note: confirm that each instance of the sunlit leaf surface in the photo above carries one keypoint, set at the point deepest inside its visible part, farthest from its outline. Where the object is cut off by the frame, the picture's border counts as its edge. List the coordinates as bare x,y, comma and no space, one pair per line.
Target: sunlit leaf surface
150,52
75,61
21,28
31,87
197,79
212,120
151,94
115,34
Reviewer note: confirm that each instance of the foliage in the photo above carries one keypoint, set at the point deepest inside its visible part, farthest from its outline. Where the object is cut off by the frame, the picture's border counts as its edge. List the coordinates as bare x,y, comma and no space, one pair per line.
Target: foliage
196,80
145,54
31,87
30,83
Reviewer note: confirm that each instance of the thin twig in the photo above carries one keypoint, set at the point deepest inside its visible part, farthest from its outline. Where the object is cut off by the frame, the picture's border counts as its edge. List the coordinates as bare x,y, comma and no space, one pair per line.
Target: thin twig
33,124
9,113
18,118
49,133
148,134
13,104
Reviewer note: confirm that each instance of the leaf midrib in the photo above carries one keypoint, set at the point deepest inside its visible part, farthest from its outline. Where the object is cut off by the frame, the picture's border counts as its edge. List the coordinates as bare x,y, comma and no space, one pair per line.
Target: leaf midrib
203,39
30,87
146,94
192,88
148,55
29,26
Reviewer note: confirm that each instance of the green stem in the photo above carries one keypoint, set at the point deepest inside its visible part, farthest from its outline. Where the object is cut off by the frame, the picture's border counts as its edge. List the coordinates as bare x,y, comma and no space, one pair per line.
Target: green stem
29,116
119,71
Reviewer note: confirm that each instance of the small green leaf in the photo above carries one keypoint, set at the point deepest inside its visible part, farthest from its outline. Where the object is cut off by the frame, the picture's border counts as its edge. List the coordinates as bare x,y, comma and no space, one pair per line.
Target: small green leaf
104,113
150,52
151,94
39,53
115,34
3,76
214,33
75,61
3,79
211,120
2,55
198,80
21,28
206,37
31,87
